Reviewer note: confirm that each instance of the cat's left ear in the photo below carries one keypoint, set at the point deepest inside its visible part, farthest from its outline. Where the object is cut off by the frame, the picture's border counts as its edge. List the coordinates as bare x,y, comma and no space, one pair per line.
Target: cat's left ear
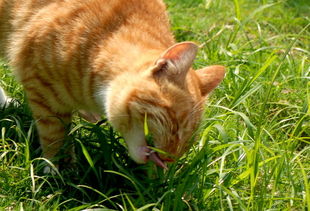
175,62
210,77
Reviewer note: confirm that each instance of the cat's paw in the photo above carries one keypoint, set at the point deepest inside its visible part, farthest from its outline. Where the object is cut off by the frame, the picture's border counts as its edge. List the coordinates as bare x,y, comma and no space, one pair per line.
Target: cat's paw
6,101
50,168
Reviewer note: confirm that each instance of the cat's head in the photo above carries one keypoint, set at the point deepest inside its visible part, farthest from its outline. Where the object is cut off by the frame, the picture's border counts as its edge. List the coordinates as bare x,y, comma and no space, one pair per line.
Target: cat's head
170,95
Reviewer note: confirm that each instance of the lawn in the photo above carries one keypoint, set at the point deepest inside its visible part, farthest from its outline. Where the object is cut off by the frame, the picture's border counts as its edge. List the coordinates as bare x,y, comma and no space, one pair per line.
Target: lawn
251,152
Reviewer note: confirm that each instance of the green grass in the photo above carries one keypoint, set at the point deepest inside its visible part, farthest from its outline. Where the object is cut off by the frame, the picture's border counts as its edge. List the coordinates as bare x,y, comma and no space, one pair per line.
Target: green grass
252,151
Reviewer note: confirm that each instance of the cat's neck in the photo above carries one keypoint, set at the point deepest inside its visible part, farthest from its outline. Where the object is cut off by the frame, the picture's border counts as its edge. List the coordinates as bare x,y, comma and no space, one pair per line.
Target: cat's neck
132,48
119,63
118,56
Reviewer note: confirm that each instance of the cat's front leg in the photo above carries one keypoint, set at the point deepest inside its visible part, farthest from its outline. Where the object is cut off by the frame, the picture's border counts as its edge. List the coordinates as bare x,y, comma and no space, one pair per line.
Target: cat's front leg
51,125
52,132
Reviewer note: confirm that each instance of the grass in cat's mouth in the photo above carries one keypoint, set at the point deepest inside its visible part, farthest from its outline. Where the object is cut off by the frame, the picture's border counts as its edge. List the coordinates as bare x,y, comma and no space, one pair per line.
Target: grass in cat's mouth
154,152
153,156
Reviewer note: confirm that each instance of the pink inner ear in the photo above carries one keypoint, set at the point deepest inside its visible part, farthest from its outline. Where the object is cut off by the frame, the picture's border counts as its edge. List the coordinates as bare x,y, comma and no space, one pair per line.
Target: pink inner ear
176,51
175,62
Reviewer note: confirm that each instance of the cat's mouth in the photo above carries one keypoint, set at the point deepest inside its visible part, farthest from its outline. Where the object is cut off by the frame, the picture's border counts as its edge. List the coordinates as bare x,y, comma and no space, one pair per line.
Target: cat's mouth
145,153
154,156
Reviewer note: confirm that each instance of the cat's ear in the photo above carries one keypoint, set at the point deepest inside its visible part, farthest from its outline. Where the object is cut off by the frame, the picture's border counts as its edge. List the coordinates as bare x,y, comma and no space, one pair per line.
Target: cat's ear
210,77
175,62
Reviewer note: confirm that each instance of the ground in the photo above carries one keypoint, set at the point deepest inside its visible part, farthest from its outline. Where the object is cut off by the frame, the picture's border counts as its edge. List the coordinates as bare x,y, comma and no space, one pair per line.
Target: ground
251,152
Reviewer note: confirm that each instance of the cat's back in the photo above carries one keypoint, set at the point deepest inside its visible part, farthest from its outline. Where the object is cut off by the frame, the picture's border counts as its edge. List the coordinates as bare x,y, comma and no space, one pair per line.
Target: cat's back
58,15
69,30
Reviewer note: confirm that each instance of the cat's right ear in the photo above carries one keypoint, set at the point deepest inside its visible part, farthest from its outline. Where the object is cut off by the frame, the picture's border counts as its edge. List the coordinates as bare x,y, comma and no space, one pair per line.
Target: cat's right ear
175,62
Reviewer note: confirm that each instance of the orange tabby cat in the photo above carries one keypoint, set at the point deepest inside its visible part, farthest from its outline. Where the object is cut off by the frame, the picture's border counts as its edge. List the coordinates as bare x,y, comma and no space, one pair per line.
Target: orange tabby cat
112,57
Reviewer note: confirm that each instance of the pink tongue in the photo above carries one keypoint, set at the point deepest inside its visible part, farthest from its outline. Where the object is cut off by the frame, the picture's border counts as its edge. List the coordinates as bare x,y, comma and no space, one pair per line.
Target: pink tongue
155,158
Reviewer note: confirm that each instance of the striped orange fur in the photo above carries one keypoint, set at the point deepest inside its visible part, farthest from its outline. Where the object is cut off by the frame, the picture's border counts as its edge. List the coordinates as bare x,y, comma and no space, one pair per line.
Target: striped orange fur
112,57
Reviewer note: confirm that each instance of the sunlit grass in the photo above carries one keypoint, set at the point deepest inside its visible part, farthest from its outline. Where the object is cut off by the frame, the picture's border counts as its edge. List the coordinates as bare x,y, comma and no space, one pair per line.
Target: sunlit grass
252,151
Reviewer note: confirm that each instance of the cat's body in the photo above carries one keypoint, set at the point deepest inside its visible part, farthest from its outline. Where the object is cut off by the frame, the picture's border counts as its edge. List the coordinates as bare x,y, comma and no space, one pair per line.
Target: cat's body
116,57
